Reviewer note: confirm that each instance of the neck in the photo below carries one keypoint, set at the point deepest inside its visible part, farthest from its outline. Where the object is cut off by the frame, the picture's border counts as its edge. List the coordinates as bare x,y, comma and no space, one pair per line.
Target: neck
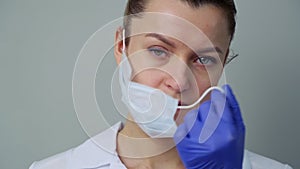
137,150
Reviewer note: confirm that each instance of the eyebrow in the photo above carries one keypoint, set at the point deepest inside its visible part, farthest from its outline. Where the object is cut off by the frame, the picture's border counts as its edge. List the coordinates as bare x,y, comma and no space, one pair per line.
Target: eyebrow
168,42
161,38
210,49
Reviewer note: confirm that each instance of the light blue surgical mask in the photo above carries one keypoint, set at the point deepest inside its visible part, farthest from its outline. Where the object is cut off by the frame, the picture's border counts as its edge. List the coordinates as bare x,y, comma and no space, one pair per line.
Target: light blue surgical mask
151,109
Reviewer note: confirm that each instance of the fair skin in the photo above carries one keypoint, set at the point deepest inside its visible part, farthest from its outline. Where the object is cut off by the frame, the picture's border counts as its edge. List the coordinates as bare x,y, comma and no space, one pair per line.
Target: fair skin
176,82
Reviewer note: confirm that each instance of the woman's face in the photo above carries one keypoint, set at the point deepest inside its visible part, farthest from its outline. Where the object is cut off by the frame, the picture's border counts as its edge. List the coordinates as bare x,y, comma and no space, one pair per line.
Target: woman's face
178,49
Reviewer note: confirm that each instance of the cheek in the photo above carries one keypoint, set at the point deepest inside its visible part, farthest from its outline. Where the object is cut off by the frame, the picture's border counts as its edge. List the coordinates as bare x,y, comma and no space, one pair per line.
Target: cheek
202,80
206,78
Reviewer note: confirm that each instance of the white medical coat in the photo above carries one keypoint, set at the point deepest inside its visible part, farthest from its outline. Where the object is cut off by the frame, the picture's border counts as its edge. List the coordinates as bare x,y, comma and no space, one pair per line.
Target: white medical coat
90,155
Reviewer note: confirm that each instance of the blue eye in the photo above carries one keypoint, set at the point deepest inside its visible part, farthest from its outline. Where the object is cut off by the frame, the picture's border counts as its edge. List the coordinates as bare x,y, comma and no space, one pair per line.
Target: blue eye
157,51
206,60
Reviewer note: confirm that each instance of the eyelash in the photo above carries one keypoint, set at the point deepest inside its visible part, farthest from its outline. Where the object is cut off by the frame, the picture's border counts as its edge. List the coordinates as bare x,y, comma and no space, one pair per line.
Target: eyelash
155,49
210,59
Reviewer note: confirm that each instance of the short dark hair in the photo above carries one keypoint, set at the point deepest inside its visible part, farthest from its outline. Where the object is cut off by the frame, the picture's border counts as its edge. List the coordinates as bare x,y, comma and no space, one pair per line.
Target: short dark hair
134,7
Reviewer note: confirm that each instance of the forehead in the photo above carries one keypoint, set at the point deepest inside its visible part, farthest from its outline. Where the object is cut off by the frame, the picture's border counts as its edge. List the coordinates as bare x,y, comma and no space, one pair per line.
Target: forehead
193,26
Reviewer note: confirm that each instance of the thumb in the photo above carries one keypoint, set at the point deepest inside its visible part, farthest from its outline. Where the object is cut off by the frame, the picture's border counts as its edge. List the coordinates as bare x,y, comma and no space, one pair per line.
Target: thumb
233,104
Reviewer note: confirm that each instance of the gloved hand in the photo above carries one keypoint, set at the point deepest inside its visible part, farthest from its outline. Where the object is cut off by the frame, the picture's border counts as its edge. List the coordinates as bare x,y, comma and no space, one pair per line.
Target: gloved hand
212,137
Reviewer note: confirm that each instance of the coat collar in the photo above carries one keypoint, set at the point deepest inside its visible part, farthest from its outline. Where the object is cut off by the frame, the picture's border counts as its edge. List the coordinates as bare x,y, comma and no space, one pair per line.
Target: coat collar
100,150
246,161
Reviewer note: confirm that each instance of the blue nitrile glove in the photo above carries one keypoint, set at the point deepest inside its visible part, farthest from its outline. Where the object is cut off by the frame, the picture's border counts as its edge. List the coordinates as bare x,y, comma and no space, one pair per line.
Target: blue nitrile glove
212,137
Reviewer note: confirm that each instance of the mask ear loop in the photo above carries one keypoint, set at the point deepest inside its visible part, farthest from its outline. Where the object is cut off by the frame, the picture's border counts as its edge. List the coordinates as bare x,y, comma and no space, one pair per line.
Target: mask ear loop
123,36
202,97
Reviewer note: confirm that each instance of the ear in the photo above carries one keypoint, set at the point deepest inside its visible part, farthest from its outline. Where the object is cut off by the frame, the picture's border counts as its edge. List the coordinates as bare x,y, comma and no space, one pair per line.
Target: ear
118,45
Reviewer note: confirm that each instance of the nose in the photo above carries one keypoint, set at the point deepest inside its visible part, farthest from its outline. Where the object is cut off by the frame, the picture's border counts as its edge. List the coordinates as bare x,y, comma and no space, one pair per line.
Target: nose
178,78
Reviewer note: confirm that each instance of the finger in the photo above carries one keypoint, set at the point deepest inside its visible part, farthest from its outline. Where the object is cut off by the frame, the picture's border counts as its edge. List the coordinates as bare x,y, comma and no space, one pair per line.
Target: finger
232,102
192,124
190,119
219,102
180,134
184,128
203,110
210,123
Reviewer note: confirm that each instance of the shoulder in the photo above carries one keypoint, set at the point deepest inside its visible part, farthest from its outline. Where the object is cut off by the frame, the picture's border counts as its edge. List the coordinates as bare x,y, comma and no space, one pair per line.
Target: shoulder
57,161
261,162
94,152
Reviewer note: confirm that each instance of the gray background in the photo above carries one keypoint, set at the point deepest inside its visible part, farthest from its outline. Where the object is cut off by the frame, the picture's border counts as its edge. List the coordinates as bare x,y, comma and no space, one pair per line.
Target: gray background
39,44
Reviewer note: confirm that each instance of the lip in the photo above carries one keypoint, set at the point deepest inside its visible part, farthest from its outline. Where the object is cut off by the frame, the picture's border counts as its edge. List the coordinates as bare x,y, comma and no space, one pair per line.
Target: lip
180,103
